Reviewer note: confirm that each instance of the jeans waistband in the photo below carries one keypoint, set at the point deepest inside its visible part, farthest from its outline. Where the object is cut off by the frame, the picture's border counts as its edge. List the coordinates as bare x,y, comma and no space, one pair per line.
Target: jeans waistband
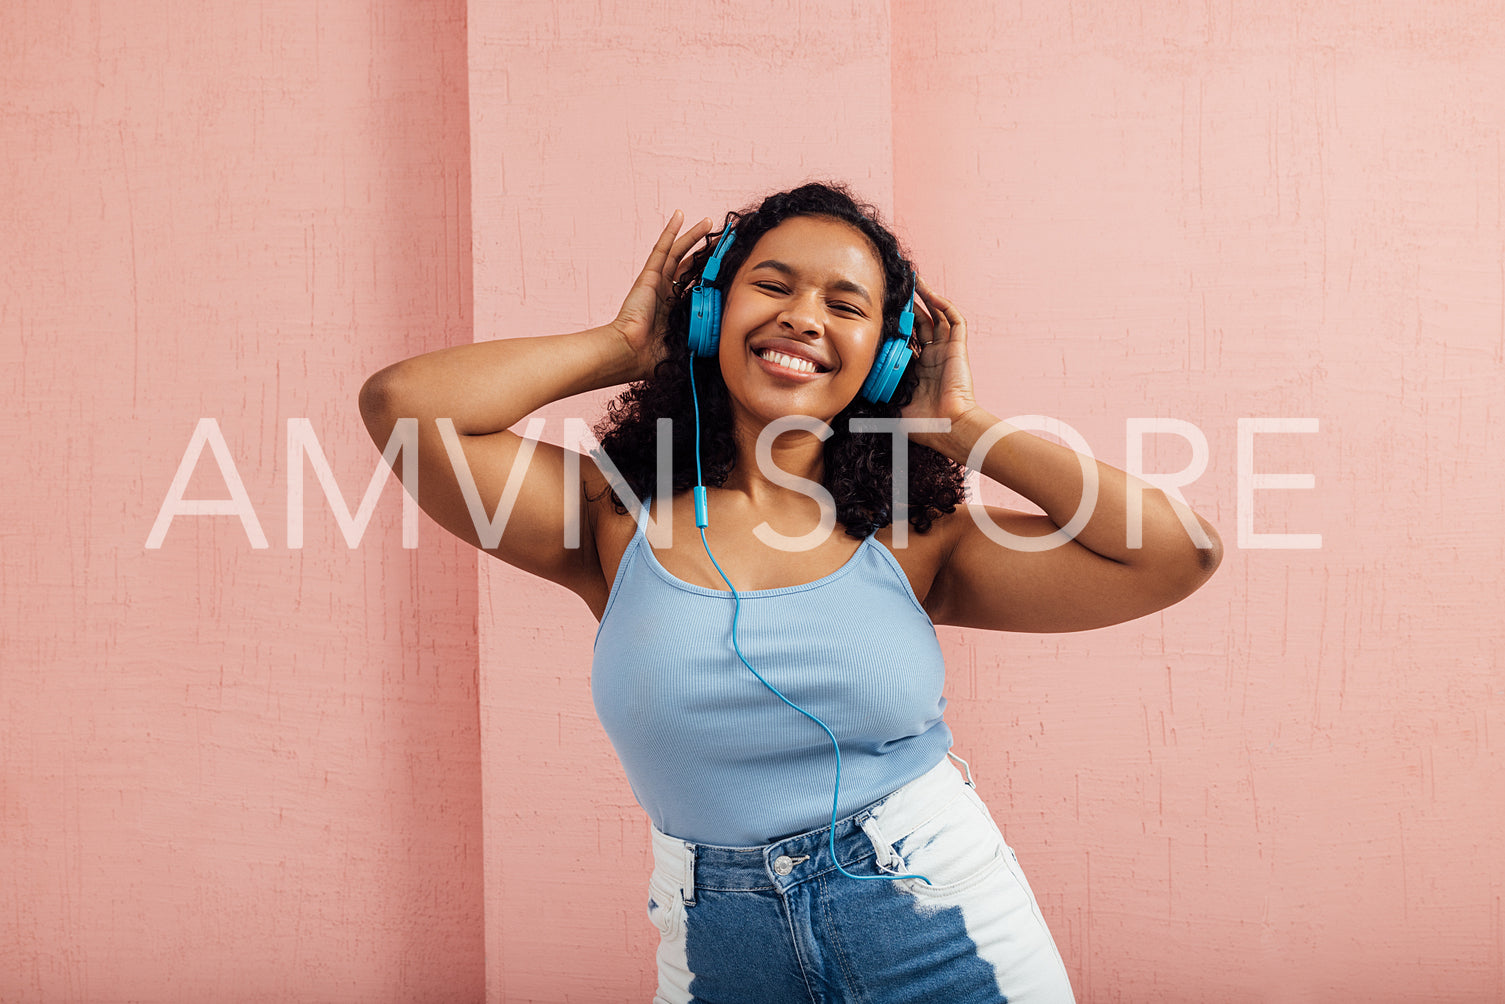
867,834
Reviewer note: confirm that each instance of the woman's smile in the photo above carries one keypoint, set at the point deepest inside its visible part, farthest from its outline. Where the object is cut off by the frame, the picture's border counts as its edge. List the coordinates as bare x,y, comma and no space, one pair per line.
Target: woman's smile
788,356
777,360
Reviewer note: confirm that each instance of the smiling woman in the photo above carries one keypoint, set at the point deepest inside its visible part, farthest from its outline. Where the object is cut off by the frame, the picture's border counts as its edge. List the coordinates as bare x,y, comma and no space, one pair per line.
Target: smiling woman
868,285
777,706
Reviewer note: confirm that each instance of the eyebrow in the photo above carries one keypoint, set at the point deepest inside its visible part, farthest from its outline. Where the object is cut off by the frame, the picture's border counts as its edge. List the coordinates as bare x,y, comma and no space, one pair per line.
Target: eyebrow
845,285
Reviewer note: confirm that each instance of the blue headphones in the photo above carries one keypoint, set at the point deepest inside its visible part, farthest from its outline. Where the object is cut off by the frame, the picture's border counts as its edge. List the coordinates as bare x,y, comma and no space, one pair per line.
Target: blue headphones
705,329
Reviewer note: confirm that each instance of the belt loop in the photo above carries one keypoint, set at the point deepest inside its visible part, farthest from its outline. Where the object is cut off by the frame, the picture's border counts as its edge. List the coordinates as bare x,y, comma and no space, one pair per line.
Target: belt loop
888,858
687,880
965,766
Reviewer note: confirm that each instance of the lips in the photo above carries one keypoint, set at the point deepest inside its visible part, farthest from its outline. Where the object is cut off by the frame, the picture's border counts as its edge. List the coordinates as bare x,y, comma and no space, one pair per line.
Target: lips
789,362
794,358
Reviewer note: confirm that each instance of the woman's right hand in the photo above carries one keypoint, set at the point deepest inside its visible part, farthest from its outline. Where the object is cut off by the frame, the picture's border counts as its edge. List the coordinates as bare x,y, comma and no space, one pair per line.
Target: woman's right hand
644,313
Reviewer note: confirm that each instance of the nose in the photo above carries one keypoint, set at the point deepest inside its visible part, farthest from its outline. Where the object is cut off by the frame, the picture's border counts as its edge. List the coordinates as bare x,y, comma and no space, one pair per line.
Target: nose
803,313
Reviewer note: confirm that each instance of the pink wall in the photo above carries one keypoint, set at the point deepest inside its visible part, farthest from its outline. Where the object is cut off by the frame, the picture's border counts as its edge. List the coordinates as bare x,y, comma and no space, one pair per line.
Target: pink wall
229,774
254,774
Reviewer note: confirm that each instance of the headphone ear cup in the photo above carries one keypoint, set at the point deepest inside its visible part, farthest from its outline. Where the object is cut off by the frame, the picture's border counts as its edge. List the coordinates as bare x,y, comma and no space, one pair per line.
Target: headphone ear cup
888,369
705,320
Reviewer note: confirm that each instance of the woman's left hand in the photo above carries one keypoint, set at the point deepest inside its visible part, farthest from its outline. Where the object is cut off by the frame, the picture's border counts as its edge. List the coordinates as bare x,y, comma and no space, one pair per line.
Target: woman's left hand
945,387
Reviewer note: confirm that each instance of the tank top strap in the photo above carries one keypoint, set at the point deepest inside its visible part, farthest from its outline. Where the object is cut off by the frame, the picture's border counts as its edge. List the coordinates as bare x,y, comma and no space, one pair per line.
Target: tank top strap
643,511
629,555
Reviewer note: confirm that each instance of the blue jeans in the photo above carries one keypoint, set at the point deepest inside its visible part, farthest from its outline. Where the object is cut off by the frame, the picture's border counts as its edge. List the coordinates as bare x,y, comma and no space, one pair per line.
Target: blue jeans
780,925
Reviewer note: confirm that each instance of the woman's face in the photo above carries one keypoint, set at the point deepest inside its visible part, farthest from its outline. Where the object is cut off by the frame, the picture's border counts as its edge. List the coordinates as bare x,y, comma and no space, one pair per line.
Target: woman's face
802,321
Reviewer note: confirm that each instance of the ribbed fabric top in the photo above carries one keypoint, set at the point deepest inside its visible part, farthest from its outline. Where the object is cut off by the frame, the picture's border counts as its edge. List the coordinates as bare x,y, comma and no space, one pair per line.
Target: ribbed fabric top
712,755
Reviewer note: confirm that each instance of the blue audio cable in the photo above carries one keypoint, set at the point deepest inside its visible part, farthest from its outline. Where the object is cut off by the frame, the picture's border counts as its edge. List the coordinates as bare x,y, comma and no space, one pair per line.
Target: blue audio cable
701,521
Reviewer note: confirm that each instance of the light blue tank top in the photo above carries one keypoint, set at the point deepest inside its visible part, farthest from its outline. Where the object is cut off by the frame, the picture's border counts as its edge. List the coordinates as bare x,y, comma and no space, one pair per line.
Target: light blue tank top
711,754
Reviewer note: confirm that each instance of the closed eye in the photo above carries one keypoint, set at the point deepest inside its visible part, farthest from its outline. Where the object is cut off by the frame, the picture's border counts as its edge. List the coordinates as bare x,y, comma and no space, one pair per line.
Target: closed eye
778,289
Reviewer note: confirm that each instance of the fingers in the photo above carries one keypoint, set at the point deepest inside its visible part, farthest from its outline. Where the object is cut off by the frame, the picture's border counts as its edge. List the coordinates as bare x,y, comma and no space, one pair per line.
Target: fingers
683,245
924,325
948,323
689,239
664,244
663,260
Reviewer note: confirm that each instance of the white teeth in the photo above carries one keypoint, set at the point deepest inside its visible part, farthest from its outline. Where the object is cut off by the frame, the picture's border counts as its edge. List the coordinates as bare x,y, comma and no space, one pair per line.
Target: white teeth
789,362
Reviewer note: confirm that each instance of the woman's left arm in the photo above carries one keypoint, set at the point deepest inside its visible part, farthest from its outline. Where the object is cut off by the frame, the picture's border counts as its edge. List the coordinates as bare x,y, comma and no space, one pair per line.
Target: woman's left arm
1002,577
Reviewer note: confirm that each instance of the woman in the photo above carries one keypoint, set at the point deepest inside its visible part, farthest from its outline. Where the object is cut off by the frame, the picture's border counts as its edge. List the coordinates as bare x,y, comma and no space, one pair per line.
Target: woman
772,686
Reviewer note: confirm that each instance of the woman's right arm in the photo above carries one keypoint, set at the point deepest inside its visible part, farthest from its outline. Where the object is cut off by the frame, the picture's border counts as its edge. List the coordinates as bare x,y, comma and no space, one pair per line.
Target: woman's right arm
487,387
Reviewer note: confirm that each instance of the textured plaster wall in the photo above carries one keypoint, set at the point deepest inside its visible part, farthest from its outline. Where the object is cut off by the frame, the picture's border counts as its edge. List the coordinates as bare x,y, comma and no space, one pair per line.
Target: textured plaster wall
235,773
228,773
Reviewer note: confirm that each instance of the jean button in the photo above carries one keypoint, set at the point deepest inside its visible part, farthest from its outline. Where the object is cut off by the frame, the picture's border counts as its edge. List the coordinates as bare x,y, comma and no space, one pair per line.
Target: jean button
783,864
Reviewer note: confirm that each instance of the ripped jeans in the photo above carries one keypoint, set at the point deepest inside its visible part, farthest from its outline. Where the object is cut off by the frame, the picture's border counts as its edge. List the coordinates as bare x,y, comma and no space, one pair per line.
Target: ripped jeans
781,925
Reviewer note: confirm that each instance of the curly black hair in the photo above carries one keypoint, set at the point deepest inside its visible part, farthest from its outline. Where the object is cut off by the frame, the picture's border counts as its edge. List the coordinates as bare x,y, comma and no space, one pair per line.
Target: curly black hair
858,468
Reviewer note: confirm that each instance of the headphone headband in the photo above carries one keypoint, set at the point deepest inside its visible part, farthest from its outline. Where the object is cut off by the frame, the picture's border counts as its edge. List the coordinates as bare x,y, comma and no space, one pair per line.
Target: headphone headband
705,302
713,267
906,316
